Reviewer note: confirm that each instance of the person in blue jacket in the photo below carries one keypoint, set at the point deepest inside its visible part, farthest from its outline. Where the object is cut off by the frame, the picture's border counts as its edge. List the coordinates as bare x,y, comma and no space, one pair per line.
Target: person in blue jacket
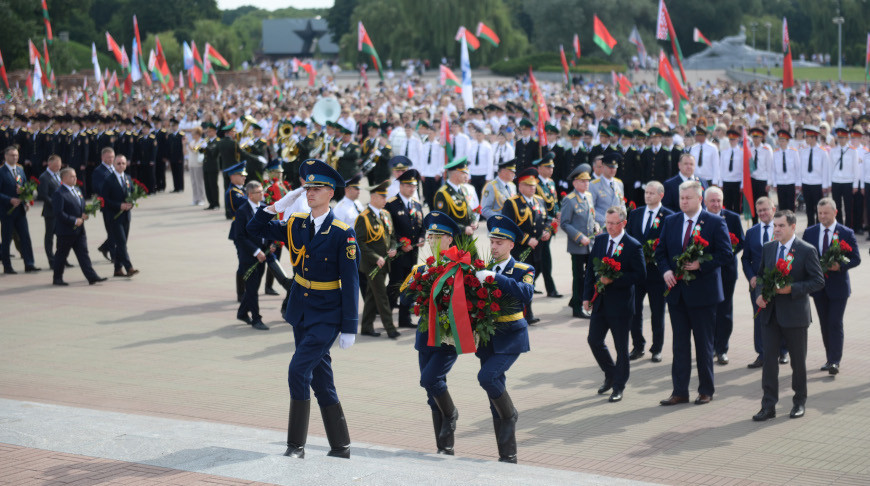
516,282
323,303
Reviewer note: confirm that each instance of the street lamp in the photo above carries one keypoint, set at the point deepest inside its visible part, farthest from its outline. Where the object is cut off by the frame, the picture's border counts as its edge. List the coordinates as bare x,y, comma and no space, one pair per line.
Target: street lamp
768,25
754,26
839,21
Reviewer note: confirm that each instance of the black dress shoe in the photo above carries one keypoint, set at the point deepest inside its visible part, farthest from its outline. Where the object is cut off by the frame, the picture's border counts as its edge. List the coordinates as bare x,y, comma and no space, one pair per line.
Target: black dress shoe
758,363
605,387
826,367
616,396
9,271
797,411
31,269
258,324
657,357
97,280
534,320
834,369
764,414
783,359
60,283
538,292
68,265
555,295
244,318
272,292
703,399
106,254
674,400
371,333
723,359
393,334
635,354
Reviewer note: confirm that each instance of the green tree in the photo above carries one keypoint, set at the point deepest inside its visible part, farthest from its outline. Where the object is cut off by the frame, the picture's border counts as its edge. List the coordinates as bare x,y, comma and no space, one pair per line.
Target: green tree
171,49
338,17
18,25
225,40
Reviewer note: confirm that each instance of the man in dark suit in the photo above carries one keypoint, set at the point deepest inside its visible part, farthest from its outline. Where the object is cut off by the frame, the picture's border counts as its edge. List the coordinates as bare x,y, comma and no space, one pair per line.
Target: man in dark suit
692,307
756,237
686,167
115,189
788,315
49,181
12,179
645,225
101,173
251,250
407,216
527,148
613,309
69,213
176,155
831,301
714,198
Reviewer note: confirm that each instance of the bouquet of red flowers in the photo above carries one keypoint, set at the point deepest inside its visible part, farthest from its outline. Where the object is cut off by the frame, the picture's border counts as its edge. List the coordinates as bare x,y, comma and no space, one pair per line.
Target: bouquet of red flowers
734,241
403,242
695,251
605,267
775,278
28,192
455,307
95,205
836,253
137,191
554,227
649,251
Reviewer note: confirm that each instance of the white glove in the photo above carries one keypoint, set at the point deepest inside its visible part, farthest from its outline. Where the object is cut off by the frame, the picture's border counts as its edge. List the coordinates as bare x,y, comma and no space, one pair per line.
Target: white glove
339,154
285,202
482,274
636,184
346,340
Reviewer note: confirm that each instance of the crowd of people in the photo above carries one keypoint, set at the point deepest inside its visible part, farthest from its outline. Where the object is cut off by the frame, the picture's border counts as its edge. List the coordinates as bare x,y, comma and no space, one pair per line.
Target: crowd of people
619,177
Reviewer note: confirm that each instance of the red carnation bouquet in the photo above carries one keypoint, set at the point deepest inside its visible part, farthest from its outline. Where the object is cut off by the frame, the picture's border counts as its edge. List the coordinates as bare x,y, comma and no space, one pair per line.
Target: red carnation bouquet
605,267
649,251
776,278
136,192
837,252
27,193
734,241
694,251
94,205
403,242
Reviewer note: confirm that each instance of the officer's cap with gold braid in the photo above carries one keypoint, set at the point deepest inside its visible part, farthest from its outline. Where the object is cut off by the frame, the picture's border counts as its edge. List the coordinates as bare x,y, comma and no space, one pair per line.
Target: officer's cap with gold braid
353,181
400,162
439,223
460,164
503,227
236,169
510,165
528,176
410,176
317,173
380,188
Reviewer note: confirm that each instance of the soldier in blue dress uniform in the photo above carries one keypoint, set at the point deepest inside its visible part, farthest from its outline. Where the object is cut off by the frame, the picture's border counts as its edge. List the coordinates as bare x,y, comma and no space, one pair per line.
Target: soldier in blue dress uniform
234,198
436,362
516,281
322,248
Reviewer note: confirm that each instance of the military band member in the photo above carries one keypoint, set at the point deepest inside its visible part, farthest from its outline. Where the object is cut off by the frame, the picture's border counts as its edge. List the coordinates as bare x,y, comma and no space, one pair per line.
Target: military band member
347,154
516,281
547,190
577,219
257,153
815,174
607,191
235,198
407,216
377,245
378,148
499,190
211,166
320,311
452,198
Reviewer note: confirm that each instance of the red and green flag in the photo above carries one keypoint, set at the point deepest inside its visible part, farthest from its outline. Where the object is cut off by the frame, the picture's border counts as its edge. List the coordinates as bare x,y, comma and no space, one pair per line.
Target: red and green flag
748,198
33,53
621,83
48,74
447,78
278,93
539,106
698,37
487,34
365,45
665,31
142,67
115,49
565,66
162,67
445,138
576,47
668,82
3,72
602,37
48,34
470,39
787,73
866,61
215,57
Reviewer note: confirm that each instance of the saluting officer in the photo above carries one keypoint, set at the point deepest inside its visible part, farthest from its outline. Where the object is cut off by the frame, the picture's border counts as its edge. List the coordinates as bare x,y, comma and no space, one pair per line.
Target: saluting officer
407,215
497,191
577,219
324,248
235,198
607,191
452,198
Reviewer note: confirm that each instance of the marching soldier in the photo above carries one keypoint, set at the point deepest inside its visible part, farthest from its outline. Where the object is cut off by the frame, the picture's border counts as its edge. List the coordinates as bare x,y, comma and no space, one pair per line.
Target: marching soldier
499,190
235,198
452,198
546,188
319,311
377,245
407,216
577,219
257,153
347,155
607,191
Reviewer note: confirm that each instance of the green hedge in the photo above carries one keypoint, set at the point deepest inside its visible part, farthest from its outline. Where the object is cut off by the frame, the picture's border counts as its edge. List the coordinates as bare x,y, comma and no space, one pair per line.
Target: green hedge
551,61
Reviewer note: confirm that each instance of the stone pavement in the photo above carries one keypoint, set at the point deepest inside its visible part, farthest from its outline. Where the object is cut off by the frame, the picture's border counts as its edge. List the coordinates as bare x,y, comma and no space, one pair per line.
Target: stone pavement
166,344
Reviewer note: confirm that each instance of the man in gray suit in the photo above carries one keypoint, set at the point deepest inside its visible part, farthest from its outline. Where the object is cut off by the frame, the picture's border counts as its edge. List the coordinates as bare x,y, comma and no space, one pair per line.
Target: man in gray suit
788,315
578,221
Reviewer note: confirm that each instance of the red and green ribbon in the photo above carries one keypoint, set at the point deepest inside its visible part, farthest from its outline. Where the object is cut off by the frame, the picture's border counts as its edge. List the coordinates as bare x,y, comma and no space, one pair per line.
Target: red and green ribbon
460,322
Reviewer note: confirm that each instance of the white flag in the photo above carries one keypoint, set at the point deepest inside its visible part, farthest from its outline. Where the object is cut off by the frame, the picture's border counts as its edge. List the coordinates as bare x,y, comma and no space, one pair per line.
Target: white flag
467,95
37,83
97,74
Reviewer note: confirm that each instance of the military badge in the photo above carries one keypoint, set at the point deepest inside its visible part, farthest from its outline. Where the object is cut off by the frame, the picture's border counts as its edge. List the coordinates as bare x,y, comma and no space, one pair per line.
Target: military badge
351,252
440,204
351,240
527,278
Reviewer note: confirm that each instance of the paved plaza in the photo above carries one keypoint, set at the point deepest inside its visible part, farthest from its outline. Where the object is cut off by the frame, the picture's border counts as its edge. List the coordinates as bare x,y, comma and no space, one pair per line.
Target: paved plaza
152,380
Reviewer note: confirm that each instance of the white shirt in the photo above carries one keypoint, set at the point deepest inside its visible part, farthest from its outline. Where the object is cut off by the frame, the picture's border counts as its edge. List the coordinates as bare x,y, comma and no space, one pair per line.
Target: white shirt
346,210
787,246
822,235
709,165
821,173
615,240
499,267
480,158
686,219
851,168
650,215
431,159
762,156
123,183
375,210
761,226
784,167
731,164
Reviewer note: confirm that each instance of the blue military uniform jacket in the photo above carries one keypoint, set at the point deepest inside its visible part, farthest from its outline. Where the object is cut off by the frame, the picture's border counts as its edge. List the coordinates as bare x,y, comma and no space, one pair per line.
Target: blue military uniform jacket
515,281
246,243
330,259
234,198
837,284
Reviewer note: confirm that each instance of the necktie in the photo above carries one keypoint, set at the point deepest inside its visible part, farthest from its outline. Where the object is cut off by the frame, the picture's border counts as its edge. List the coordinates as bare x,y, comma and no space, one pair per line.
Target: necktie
648,223
498,269
610,248
310,229
810,164
731,162
477,156
784,169
842,153
407,145
782,252
688,235
765,237
429,157
825,242
755,160
700,156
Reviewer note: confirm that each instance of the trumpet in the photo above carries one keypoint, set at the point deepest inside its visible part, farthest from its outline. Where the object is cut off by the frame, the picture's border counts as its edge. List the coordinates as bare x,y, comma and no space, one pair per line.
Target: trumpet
249,120
319,145
285,131
290,151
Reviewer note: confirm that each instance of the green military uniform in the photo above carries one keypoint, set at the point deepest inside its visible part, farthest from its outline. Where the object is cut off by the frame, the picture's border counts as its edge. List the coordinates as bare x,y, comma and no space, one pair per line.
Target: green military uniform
453,200
256,148
546,189
210,169
381,169
377,236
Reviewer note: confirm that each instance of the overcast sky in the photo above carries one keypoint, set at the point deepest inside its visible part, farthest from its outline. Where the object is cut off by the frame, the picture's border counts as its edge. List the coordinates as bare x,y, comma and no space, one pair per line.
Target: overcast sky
274,4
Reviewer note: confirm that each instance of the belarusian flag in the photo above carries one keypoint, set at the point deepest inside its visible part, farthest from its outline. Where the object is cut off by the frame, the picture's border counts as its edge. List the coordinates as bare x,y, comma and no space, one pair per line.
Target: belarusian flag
33,53
200,75
47,22
576,47
668,82
565,66
3,72
866,62
162,67
449,79
540,107
665,31
602,37
697,36
278,93
487,34
748,199
410,90
49,75
470,39
787,73
623,85
445,137
142,67
215,57
364,44
115,49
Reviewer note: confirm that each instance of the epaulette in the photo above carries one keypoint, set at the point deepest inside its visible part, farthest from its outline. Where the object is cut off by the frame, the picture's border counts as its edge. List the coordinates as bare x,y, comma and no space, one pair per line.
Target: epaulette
522,266
617,179
300,215
151,135
341,224
596,181
570,196
392,199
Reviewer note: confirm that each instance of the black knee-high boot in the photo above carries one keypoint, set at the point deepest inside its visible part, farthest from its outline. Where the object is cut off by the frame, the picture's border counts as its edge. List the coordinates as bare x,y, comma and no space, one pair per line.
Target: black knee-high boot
448,423
297,428
505,428
336,431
